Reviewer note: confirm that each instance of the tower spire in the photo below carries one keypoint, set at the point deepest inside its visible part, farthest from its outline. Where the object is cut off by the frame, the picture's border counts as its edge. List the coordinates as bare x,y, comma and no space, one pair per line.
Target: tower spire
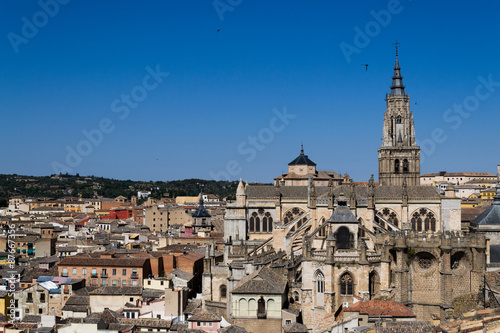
397,88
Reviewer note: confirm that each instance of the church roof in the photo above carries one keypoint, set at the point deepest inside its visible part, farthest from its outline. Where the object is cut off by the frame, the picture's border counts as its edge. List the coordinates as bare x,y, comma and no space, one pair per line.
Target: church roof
201,211
319,175
381,192
302,159
263,281
342,213
491,216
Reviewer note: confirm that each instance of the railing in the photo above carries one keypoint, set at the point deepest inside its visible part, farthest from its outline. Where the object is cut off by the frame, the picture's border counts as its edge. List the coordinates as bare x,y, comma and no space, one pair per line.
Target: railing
135,276
29,300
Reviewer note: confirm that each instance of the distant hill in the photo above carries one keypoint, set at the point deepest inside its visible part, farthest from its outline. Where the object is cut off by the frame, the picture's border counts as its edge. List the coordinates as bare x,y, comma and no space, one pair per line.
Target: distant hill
57,186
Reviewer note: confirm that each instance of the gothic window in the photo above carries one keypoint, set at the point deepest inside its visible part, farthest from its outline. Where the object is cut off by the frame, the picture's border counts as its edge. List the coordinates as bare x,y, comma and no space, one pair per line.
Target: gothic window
223,291
345,240
405,166
346,285
291,215
390,216
320,282
252,221
398,120
269,222
423,220
264,224
396,166
374,284
322,231
257,224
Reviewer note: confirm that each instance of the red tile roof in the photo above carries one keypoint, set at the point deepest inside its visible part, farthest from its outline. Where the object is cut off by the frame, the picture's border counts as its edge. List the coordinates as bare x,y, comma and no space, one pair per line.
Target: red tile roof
381,308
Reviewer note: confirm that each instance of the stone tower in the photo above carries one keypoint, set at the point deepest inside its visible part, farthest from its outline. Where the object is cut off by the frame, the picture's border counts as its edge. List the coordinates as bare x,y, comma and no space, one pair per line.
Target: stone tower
399,156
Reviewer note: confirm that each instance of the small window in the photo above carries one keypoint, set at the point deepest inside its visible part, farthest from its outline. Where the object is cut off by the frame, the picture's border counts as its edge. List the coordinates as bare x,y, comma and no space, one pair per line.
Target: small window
74,271
131,299
114,271
288,322
124,283
124,272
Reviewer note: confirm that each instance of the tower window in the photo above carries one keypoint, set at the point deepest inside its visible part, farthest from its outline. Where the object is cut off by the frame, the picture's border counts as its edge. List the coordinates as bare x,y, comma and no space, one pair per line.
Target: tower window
405,166
398,120
396,166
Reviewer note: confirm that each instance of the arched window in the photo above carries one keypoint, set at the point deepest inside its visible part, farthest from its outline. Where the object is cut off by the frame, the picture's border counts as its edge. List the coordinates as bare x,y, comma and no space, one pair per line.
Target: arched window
390,216
261,308
223,291
396,166
267,222
291,215
320,282
319,286
346,285
252,222
296,297
257,224
406,167
374,284
345,240
322,231
423,220
398,120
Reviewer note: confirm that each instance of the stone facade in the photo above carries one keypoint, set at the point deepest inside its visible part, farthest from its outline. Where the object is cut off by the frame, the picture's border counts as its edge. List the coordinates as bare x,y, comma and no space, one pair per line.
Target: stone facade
338,242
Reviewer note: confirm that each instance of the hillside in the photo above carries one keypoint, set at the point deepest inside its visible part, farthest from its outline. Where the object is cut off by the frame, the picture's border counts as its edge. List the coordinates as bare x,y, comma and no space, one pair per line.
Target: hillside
57,186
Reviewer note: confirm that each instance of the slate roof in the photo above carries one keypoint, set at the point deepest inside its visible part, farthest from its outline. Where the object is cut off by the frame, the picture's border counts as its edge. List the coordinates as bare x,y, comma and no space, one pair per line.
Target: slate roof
201,211
381,308
302,159
342,213
204,315
491,216
262,281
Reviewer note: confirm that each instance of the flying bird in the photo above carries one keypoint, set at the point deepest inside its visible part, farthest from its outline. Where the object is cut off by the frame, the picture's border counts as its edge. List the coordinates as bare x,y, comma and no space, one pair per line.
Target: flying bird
366,66
218,30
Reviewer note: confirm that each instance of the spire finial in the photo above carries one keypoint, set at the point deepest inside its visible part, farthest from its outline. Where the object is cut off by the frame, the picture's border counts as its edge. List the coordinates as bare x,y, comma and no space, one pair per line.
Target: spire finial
396,44
302,148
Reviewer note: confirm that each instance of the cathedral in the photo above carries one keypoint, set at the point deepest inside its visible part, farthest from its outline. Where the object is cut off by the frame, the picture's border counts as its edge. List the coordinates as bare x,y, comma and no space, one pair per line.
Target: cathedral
337,241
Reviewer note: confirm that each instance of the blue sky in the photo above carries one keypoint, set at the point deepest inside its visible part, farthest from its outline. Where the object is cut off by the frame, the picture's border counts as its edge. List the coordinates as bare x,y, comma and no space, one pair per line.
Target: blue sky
214,105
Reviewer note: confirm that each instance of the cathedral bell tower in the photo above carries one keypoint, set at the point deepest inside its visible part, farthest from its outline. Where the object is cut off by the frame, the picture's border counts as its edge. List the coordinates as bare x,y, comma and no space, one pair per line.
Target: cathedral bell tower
399,156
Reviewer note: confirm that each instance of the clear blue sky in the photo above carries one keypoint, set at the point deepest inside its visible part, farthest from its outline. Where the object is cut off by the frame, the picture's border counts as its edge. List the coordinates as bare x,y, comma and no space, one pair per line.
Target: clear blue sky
68,71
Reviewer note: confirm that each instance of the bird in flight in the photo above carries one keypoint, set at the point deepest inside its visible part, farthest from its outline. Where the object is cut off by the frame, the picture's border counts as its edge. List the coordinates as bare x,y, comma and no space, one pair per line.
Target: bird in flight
366,66
218,30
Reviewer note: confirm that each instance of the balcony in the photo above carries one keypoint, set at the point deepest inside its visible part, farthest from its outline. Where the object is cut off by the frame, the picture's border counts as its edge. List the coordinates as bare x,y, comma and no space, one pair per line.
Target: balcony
135,276
104,275
94,275
29,300
64,274
262,315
